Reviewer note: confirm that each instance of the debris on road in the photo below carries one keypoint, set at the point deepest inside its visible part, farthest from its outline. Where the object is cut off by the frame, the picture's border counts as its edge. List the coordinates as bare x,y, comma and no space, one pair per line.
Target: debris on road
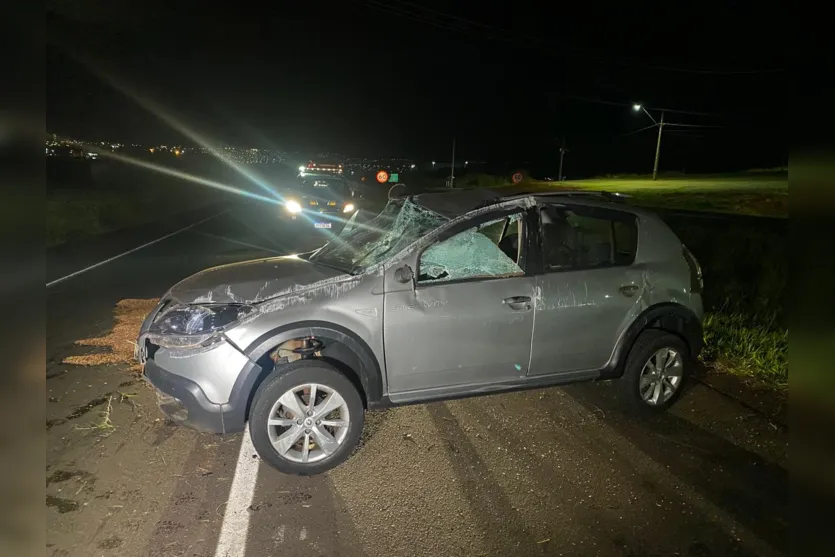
104,426
120,341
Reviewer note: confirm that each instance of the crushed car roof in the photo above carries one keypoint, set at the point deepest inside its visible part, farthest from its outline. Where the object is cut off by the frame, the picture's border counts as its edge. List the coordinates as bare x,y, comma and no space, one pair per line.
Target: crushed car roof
455,203
452,204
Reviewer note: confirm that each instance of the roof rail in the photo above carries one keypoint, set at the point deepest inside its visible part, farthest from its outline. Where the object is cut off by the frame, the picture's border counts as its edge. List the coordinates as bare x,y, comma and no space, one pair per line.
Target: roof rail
608,196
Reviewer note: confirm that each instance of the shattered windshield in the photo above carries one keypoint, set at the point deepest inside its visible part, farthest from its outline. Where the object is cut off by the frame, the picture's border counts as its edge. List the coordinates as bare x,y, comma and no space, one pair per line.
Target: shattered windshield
362,245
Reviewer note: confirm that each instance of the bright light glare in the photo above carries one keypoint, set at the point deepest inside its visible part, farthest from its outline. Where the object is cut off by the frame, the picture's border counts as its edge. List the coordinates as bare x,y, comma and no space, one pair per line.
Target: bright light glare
636,107
301,168
348,208
293,207
191,178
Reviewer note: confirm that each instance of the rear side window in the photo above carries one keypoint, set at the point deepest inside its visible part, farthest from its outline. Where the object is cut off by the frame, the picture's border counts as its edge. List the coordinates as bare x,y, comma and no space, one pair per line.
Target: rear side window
626,241
586,239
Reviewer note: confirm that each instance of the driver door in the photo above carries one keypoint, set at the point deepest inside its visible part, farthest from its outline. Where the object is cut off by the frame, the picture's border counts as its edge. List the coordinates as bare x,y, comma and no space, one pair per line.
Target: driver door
467,320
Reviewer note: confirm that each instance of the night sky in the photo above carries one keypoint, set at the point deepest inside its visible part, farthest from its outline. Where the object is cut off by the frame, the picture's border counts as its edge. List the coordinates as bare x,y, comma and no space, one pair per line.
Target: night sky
397,78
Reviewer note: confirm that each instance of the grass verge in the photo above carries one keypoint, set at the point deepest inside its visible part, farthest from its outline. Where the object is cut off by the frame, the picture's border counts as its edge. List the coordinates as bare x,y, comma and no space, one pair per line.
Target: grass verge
75,214
757,348
754,194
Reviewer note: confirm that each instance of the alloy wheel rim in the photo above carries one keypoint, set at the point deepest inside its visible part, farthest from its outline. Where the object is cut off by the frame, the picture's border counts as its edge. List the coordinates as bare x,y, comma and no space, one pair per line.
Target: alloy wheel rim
661,376
308,423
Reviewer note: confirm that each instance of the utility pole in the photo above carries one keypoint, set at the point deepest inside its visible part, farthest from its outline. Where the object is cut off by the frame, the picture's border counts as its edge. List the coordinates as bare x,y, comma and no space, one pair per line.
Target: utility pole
658,148
452,168
562,154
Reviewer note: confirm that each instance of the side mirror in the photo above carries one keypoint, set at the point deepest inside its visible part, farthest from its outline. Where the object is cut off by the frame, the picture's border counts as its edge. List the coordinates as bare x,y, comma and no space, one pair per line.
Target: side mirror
405,274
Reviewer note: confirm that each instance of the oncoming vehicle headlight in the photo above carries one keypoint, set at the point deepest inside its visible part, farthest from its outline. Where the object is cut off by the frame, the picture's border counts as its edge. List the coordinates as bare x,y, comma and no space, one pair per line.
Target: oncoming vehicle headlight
187,326
348,208
293,207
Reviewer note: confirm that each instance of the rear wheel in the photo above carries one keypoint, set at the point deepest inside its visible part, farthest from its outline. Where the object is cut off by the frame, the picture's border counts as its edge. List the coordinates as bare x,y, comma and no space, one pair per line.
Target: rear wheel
306,418
655,372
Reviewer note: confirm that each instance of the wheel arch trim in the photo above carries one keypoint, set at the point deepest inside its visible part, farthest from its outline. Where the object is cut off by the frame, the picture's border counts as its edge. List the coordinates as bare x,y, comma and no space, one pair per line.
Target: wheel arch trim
672,317
370,373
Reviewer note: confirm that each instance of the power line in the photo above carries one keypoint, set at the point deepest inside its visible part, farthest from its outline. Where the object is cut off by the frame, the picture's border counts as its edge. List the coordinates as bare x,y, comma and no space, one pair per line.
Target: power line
619,103
639,131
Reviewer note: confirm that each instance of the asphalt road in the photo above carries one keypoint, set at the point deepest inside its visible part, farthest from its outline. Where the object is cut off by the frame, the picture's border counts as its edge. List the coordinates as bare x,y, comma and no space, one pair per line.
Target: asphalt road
548,472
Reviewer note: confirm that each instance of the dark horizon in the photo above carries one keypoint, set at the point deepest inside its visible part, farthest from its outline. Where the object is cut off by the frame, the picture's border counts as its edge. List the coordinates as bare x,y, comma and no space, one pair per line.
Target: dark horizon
402,80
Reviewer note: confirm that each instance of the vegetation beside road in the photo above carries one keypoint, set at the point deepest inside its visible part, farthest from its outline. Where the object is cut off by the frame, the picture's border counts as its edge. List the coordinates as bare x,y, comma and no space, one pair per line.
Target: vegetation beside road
75,214
763,193
87,198
745,266
760,194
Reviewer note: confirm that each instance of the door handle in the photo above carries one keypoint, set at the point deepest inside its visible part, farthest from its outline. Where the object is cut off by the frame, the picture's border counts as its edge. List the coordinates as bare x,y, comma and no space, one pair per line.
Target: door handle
629,290
518,303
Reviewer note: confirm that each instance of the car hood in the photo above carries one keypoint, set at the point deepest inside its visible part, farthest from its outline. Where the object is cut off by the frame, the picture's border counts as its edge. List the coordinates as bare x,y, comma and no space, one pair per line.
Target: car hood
253,281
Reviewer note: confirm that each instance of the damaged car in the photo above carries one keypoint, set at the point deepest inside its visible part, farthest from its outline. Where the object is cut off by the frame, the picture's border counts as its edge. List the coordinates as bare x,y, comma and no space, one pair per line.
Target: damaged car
440,296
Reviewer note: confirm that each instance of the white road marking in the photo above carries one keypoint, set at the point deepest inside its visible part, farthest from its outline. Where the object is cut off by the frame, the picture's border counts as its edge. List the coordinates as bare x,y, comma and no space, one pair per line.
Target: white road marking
233,530
279,534
100,263
303,534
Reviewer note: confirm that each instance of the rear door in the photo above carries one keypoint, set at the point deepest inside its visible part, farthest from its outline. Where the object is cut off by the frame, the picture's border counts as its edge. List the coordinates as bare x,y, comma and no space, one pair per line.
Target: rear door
589,288
468,319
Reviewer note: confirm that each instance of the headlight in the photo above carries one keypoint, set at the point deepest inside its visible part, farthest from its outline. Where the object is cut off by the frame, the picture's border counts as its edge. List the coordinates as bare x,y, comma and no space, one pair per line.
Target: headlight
348,208
293,207
190,326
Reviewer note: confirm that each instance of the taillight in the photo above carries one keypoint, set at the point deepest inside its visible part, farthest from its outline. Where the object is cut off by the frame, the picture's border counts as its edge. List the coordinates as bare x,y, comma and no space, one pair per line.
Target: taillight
696,280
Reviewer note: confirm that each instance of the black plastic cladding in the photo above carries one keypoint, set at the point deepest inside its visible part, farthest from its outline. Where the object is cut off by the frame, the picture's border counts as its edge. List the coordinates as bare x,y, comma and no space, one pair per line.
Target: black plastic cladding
672,317
369,373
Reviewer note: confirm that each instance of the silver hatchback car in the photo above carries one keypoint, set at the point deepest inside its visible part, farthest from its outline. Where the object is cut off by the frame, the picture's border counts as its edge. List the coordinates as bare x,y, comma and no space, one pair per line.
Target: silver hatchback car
440,296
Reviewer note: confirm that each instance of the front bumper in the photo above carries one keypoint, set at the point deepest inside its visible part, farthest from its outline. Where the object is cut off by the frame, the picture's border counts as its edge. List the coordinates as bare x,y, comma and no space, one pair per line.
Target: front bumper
184,401
201,391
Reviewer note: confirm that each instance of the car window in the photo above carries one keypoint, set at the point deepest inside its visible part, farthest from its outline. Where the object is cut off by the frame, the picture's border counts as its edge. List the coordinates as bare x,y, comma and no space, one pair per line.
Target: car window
572,240
488,250
626,241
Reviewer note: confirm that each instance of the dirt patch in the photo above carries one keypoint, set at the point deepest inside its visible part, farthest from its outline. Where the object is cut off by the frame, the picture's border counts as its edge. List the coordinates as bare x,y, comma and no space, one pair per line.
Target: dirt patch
119,344
60,476
109,543
61,504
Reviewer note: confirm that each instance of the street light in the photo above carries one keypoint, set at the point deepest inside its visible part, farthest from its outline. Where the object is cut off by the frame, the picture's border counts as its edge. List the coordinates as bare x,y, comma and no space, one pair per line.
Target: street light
637,107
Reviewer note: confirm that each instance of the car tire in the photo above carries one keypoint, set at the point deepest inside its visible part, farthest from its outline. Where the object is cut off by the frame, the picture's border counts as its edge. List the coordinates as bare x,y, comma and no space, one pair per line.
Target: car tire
638,388
267,405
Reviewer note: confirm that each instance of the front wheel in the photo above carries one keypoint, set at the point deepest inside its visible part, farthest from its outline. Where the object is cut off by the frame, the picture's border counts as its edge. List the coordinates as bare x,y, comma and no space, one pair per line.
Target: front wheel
306,418
655,372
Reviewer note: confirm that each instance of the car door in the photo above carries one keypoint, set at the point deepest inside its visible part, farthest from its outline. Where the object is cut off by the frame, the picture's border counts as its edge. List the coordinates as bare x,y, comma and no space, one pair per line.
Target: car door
467,319
588,289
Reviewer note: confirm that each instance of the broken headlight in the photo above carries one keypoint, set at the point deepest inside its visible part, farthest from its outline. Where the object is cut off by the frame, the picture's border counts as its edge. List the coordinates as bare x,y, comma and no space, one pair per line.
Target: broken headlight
183,326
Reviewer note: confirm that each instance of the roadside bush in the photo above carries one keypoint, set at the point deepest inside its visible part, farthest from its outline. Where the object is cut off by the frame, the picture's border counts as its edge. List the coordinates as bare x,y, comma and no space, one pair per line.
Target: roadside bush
742,345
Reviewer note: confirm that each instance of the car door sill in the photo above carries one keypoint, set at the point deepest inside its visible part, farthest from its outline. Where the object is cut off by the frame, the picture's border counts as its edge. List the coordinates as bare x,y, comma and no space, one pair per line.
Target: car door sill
468,390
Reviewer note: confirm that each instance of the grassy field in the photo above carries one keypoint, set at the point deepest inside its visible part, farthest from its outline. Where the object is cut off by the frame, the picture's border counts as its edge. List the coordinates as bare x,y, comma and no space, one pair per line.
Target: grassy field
766,195
756,193
113,197
748,194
